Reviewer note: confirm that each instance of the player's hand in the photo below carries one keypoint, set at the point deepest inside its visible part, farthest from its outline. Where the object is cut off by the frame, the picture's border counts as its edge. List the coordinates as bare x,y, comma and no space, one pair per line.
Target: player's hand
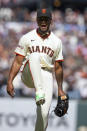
62,103
10,89
62,106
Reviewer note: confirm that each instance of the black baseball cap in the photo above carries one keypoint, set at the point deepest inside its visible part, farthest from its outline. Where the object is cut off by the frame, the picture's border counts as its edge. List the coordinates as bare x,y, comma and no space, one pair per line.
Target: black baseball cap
44,12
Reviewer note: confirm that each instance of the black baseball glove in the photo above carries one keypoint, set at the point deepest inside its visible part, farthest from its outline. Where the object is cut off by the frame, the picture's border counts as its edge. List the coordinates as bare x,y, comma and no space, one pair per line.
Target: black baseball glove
62,105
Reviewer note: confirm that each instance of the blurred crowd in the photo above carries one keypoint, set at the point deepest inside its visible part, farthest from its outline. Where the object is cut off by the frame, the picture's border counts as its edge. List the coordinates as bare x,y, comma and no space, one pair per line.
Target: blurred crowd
9,2
69,25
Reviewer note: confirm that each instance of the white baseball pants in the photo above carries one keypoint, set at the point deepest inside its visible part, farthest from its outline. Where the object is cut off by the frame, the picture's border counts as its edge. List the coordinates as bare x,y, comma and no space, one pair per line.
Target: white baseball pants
43,80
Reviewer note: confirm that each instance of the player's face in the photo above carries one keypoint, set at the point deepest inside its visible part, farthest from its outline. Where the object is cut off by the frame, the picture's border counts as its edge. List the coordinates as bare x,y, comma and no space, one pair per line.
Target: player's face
44,23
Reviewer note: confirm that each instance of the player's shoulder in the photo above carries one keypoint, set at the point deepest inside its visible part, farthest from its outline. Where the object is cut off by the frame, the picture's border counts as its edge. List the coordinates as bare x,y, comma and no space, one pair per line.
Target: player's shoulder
55,38
26,38
29,34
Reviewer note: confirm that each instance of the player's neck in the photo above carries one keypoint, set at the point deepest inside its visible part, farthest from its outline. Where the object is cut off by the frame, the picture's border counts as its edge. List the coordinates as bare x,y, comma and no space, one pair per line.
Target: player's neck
43,35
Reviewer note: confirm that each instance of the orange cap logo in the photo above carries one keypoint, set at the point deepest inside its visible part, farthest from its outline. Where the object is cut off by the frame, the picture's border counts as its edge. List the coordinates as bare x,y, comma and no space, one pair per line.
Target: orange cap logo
43,11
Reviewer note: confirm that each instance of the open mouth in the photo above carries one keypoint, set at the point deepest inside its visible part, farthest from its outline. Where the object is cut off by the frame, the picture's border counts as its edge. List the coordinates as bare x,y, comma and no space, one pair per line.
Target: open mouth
43,26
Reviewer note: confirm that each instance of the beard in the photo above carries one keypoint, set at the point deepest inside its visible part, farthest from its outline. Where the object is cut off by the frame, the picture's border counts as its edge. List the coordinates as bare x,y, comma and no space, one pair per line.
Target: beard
43,33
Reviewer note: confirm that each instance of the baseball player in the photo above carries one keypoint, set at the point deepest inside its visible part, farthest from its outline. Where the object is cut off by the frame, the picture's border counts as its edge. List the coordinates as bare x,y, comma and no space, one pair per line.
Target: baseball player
38,53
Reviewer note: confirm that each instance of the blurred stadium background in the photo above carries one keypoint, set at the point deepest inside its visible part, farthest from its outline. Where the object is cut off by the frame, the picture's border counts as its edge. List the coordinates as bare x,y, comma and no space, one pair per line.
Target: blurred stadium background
17,17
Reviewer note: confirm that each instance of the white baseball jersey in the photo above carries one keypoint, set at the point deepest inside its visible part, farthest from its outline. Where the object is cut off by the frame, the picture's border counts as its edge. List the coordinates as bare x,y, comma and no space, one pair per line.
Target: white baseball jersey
40,53
49,49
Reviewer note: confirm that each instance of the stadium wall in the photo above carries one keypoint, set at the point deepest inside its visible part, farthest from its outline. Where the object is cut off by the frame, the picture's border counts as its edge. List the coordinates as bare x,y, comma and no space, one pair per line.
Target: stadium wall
20,114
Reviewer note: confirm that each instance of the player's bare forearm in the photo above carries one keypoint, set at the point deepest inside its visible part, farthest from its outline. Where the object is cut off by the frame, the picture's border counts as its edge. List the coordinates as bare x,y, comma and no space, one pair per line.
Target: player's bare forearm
13,72
59,77
15,67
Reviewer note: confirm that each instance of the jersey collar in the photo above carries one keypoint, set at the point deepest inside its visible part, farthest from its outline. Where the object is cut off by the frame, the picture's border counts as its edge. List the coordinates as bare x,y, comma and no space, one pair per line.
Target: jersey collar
43,37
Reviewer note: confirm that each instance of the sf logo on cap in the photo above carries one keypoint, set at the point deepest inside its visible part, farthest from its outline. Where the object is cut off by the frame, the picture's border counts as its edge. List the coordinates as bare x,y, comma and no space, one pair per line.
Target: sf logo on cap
43,11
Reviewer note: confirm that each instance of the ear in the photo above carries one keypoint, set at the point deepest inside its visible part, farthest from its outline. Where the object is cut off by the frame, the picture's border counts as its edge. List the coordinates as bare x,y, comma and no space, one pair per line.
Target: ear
37,21
51,22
